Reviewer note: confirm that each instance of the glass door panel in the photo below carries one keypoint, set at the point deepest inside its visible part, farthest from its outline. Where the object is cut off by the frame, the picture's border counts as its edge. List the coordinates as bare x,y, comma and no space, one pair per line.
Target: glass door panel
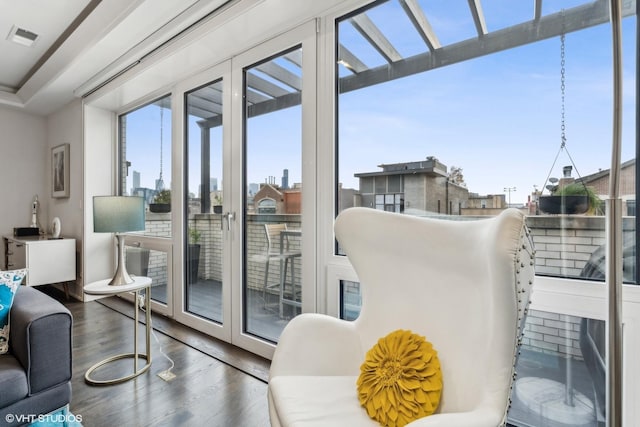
561,372
204,220
149,257
273,193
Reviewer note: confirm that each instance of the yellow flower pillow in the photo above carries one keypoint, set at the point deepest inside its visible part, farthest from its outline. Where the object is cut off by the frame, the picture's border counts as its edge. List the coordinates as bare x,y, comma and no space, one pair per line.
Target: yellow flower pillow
400,379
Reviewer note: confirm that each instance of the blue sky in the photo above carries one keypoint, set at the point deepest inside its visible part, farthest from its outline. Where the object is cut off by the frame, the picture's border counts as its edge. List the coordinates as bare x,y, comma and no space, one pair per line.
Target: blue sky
497,117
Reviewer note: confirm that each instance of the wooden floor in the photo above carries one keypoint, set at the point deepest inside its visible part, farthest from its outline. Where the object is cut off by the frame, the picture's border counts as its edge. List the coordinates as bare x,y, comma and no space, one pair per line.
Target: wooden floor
216,384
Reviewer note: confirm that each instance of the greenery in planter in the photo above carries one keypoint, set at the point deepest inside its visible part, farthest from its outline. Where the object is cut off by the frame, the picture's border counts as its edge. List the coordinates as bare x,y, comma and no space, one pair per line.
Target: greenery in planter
193,254
163,197
217,203
194,236
161,202
579,189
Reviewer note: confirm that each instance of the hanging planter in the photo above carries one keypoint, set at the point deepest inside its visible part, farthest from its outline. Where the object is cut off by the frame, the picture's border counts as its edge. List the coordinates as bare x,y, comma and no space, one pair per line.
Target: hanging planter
564,204
574,198
161,202
160,207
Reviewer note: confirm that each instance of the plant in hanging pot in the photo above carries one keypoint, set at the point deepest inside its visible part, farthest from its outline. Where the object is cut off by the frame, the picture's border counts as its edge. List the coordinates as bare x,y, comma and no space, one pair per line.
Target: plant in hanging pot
161,202
574,198
217,203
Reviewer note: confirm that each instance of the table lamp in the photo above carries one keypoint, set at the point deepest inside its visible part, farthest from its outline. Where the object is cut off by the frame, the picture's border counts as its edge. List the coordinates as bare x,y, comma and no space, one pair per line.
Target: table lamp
118,214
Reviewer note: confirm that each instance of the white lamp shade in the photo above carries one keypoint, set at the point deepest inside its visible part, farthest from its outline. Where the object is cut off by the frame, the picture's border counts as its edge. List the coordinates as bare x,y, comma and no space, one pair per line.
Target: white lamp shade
118,214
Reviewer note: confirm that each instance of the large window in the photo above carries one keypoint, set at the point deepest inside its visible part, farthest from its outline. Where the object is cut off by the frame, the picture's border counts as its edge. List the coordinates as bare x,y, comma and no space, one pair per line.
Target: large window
145,171
433,121
145,162
437,120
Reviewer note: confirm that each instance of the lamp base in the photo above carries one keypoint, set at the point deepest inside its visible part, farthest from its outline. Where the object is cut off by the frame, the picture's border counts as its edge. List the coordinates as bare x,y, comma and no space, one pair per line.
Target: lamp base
121,277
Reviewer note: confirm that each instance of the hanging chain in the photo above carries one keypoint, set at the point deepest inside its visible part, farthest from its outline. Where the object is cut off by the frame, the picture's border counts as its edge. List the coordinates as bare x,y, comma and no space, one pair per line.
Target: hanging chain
563,137
161,141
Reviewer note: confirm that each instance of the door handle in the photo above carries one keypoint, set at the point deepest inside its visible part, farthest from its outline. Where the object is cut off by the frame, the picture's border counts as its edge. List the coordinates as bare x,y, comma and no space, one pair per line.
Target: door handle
228,216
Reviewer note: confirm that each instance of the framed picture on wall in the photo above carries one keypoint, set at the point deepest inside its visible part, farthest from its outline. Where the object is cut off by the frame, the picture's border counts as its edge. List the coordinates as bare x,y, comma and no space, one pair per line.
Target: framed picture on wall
60,171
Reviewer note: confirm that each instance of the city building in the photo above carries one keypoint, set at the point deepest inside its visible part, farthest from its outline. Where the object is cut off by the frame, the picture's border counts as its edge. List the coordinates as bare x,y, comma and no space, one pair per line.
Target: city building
600,182
272,199
421,185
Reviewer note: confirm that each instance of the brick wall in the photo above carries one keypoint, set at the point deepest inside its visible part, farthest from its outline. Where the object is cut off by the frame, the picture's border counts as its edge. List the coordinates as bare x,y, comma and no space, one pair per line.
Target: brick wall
257,246
211,245
563,245
552,333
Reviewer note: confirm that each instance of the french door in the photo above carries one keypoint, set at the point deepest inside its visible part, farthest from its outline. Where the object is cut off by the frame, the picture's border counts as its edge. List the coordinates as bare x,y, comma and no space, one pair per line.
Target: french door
202,292
248,145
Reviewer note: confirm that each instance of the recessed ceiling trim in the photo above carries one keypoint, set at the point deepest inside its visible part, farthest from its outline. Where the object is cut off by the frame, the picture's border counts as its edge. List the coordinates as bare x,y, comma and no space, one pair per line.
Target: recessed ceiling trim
10,99
63,37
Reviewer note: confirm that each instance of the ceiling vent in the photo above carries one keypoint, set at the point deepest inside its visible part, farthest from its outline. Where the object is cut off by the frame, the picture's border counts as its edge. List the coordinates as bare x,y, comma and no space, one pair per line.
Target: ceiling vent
22,36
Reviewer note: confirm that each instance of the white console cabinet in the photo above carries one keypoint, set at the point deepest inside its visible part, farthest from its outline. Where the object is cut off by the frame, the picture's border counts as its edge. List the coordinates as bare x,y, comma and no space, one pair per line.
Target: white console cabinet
47,260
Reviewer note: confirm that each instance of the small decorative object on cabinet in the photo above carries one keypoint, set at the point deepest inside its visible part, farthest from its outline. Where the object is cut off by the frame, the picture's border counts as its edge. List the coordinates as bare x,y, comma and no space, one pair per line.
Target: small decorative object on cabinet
55,228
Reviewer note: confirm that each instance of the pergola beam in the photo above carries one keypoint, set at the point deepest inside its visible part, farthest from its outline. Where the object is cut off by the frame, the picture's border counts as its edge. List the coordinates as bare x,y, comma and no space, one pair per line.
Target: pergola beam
210,122
262,100
549,26
281,74
197,102
263,86
257,109
421,23
201,112
369,31
537,10
350,61
295,57
212,93
478,17
254,97
275,104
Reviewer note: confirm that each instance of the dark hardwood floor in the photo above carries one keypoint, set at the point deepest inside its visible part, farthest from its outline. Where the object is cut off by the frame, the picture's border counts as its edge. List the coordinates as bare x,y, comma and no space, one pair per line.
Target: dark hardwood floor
216,384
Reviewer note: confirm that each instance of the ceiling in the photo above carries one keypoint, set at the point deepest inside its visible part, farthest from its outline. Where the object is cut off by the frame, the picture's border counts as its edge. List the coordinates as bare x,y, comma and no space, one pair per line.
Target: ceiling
79,40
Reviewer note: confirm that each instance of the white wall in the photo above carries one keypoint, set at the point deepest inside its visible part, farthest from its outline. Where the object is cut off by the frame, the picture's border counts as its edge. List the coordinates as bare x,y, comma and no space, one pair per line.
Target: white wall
65,127
23,169
99,171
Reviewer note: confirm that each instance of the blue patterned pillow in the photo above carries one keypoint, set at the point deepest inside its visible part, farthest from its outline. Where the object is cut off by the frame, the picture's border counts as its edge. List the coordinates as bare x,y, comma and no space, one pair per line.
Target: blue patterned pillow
9,283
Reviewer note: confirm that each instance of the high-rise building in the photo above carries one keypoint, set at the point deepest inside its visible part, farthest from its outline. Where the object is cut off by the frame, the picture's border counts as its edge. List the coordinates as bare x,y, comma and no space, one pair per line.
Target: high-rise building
136,179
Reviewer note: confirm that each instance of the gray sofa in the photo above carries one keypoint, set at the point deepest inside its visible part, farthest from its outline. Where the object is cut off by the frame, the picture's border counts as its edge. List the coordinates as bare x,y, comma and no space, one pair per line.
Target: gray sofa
35,376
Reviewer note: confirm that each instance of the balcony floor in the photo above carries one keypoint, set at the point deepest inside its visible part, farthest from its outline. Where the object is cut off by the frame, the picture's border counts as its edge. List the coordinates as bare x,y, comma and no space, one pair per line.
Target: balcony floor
205,299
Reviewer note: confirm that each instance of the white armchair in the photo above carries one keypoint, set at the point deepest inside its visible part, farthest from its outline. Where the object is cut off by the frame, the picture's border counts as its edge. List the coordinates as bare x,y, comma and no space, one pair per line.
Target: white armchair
463,284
